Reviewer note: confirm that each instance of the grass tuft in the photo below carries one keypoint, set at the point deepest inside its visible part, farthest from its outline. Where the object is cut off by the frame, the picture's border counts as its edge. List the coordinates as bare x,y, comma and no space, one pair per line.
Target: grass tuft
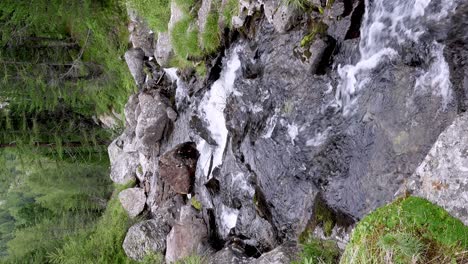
410,230
211,38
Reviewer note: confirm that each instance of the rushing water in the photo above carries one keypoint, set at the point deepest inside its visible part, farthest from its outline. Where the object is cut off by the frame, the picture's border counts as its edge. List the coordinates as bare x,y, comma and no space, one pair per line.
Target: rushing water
387,27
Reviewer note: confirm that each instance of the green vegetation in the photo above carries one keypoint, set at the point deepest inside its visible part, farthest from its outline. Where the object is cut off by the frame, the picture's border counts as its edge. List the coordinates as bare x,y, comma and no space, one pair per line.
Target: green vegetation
196,204
229,11
318,251
211,38
156,12
409,230
60,66
184,37
300,4
103,243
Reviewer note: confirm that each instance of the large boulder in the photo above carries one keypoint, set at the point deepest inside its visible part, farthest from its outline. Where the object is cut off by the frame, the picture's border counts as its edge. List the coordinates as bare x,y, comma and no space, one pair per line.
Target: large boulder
146,237
134,59
123,164
229,255
133,201
281,15
141,35
151,121
442,177
177,167
189,226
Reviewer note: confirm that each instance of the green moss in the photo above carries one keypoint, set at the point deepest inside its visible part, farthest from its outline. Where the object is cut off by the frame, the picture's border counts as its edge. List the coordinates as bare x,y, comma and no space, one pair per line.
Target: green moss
196,204
211,38
186,5
156,12
184,38
324,216
411,226
316,29
194,259
318,251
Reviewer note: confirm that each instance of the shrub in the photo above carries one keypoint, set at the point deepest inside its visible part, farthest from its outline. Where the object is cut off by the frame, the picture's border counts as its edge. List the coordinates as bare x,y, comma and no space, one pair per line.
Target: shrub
318,251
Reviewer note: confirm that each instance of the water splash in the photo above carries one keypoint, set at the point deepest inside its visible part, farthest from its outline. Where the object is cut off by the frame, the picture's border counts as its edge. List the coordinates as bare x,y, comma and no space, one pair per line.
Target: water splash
387,25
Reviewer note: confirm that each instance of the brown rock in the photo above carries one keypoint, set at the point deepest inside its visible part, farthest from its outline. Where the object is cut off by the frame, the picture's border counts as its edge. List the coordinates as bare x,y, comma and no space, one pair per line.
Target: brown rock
177,167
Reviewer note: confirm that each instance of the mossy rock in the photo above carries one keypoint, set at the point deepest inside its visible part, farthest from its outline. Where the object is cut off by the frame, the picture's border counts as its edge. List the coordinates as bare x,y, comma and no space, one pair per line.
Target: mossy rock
409,230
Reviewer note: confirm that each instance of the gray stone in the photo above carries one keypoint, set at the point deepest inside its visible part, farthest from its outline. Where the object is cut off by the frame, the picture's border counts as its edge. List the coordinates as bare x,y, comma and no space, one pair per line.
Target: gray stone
134,59
151,122
187,236
130,111
246,8
229,255
171,114
141,35
146,237
123,164
442,177
285,253
177,14
133,201
163,52
285,17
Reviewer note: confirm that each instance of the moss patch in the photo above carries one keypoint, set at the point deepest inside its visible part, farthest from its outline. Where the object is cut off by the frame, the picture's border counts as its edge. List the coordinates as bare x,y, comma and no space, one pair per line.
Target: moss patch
196,204
318,251
409,229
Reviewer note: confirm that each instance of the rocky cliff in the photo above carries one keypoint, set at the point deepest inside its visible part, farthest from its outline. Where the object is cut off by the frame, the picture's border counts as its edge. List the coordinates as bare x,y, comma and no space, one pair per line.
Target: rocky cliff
328,110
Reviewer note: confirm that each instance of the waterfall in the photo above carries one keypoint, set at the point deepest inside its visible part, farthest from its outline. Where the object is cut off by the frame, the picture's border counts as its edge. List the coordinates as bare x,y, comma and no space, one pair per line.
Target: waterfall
212,110
387,27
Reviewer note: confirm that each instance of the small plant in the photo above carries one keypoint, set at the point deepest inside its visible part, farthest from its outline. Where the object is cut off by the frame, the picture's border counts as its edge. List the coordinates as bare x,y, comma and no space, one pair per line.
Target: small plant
184,38
196,204
194,259
299,4
318,251
402,247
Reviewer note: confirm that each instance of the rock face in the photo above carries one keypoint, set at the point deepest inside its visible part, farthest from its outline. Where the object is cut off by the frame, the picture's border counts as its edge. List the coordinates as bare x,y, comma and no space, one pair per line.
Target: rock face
134,59
146,237
442,177
177,167
133,201
282,16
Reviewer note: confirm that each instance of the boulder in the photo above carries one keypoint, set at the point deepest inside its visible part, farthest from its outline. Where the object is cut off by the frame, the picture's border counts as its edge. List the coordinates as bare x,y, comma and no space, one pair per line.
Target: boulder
442,177
177,167
246,8
151,121
123,164
133,201
141,36
285,253
282,16
134,59
186,237
229,255
146,237
163,52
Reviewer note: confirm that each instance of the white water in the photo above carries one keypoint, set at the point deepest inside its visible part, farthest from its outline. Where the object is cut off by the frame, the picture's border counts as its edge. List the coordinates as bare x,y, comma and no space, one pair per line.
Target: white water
386,26
212,110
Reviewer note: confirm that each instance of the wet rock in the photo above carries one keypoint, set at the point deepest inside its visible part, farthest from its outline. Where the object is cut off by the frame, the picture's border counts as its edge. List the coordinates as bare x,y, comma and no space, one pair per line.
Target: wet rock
151,121
285,253
163,52
177,167
134,59
442,177
187,236
133,200
146,237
